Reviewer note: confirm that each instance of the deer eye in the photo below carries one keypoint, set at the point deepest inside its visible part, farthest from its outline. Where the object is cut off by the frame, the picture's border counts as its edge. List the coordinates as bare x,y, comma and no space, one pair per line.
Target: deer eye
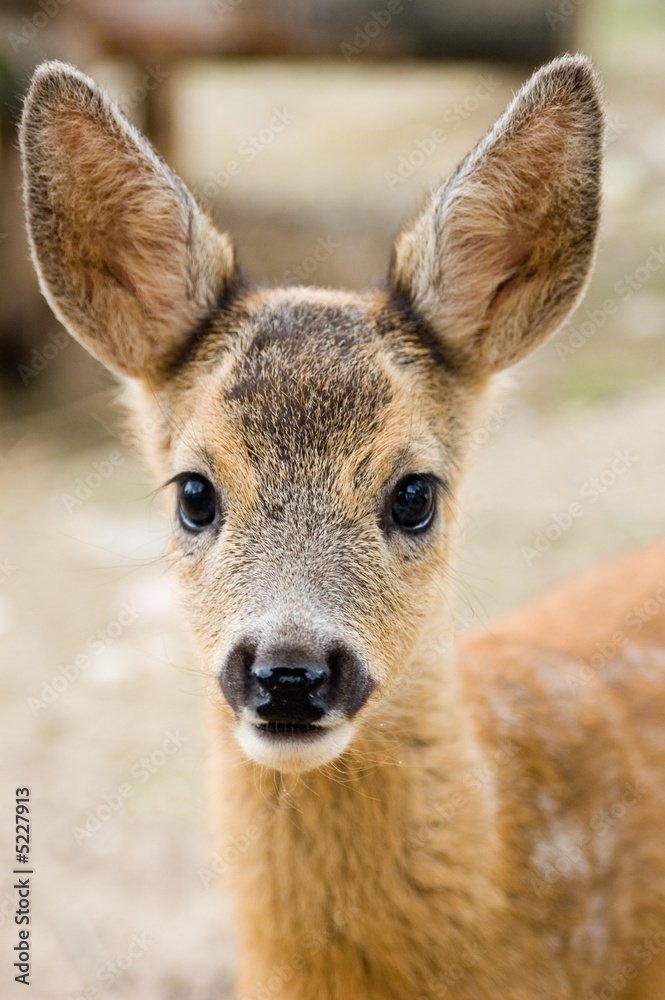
197,505
413,503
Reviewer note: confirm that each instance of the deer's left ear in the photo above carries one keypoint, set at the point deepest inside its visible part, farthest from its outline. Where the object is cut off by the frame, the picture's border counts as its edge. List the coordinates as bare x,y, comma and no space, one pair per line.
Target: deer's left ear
126,259
501,253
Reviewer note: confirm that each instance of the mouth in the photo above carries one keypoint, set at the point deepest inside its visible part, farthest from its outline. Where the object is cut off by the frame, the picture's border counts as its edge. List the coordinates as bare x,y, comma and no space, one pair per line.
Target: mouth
288,727
293,747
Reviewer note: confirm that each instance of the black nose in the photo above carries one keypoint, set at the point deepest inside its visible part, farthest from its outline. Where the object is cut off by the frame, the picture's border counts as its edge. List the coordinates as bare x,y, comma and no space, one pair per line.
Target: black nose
294,684
289,691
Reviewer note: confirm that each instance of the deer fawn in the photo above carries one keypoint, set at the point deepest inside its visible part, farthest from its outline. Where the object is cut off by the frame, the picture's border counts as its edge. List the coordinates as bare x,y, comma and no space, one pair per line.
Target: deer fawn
409,824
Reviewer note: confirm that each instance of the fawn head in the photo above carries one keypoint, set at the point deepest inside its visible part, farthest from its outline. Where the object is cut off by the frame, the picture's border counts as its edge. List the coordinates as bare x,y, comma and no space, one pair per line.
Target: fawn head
313,438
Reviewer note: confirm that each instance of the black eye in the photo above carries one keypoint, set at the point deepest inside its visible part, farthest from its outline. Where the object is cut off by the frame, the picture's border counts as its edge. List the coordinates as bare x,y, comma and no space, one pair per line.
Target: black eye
413,506
196,503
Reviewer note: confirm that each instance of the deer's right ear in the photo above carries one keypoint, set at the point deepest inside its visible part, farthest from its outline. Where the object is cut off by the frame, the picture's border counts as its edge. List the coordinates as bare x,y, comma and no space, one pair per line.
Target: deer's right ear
126,259
502,252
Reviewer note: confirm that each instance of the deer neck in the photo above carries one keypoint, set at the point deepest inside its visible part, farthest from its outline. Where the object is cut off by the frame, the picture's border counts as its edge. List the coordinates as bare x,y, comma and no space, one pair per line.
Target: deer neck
379,823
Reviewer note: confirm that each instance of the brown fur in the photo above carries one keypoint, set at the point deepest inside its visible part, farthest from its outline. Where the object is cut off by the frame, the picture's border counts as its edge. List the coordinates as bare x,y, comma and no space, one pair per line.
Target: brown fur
456,841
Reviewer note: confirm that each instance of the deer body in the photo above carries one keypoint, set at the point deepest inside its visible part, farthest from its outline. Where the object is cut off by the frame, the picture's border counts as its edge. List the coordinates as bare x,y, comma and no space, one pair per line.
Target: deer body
411,822
419,892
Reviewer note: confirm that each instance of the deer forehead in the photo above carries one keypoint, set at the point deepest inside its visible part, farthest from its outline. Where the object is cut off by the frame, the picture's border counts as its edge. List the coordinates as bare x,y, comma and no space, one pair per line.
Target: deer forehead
305,387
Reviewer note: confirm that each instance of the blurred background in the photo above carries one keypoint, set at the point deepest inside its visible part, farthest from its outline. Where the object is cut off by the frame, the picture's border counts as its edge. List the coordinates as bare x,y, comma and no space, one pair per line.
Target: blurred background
310,129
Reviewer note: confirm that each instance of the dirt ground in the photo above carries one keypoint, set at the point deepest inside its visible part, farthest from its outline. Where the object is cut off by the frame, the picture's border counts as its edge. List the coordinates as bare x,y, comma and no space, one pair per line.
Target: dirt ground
87,576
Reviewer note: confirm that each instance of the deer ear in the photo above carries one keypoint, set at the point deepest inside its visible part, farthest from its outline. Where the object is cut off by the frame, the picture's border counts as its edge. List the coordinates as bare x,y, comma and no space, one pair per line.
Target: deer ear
126,259
502,252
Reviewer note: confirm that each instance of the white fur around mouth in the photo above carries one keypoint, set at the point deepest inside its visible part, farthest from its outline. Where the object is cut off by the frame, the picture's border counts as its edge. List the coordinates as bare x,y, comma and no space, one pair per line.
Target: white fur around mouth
294,751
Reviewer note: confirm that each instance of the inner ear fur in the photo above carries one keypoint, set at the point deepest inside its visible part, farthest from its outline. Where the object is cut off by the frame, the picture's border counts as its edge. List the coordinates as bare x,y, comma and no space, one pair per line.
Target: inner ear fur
501,253
125,257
